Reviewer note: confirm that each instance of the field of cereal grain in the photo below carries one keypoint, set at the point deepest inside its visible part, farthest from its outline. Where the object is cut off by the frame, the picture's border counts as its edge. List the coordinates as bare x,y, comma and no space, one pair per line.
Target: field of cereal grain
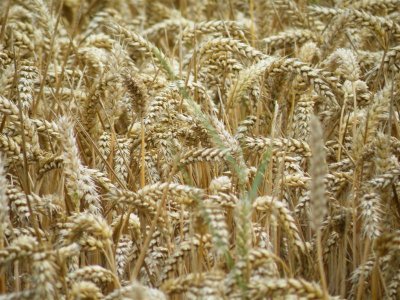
187,149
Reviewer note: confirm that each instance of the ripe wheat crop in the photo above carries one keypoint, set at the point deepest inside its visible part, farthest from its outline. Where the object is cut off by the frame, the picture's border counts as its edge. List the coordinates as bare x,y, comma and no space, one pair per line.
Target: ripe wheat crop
214,149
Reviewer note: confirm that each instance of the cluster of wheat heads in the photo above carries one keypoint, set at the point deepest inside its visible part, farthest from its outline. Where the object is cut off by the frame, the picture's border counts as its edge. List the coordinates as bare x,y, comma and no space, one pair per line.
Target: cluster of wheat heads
184,149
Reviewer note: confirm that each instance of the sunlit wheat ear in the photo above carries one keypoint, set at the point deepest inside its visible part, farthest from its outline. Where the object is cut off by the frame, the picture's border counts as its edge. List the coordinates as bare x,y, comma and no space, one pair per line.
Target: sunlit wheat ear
321,83
122,158
89,231
372,215
245,127
22,247
136,290
44,19
261,144
138,94
204,154
288,38
232,28
302,117
227,44
172,263
377,111
124,250
309,53
214,217
200,284
292,12
262,263
384,159
137,42
85,290
376,6
44,276
245,79
347,63
28,74
286,287
273,205
72,164
95,274
351,16
90,107
79,183
18,203
393,287
220,184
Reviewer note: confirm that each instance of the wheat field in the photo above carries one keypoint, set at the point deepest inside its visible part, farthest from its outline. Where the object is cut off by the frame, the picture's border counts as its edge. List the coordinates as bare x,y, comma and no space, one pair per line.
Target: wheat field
214,149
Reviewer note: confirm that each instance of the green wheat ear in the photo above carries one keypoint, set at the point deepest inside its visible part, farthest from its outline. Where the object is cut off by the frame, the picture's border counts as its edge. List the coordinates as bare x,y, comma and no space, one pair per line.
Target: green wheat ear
260,174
